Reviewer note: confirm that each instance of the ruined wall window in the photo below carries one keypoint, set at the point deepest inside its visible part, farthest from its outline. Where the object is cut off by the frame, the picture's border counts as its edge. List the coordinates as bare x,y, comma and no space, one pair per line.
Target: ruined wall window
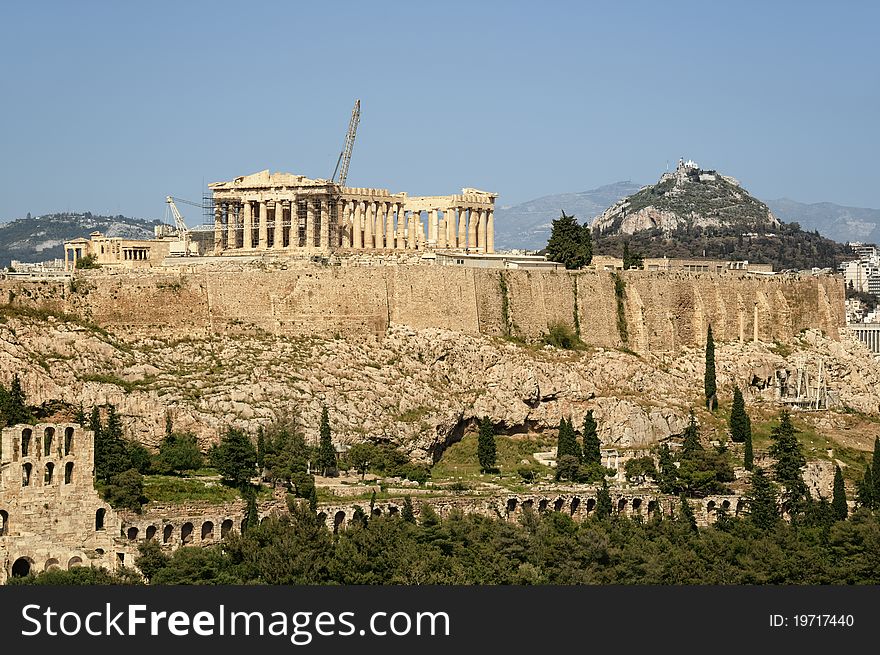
99,518
225,528
21,567
132,533
68,440
26,474
68,473
207,530
74,562
166,533
50,469
151,532
4,523
186,533
48,438
26,442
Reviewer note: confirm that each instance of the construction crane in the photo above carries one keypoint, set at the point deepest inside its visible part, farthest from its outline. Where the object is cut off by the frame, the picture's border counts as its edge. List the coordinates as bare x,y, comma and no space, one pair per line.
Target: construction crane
183,245
345,155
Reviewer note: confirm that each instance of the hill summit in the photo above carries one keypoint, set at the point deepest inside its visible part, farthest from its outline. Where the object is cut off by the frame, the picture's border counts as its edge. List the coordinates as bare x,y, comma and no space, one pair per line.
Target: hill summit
687,198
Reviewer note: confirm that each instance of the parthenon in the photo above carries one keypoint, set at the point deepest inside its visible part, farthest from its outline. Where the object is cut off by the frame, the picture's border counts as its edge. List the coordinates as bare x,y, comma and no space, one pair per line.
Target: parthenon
283,212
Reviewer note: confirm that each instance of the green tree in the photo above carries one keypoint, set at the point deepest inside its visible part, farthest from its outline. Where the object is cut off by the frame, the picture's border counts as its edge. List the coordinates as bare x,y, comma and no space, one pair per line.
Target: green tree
667,476
875,467
740,425
235,457
566,441
407,513
261,448
361,456
865,489
638,469
592,445
570,242
326,451
709,385
838,498
169,425
126,491
748,454
251,517
17,410
568,468
151,558
691,436
179,453
631,259
761,501
287,456
603,501
486,445
687,515
790,459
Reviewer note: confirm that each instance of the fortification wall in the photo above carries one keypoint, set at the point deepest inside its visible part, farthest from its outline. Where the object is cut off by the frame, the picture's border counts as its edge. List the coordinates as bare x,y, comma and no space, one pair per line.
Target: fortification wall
662,311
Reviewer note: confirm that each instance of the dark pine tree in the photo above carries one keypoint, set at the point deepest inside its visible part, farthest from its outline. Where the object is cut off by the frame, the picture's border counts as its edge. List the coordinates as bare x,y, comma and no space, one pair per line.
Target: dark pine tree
691,437
486,445
838,499
865,490
169,425
251,517
875,467
326,451
261,448
748,455
667,471
687,514
566,441
709,385
570,242
592,446
407,513
761,500
603,501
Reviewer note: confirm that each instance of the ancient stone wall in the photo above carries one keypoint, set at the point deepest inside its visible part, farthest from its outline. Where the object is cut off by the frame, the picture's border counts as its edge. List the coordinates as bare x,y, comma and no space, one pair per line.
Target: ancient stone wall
662,311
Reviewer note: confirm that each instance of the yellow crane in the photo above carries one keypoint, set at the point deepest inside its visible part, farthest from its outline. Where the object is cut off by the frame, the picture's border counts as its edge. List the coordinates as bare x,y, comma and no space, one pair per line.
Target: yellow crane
345,156
183,247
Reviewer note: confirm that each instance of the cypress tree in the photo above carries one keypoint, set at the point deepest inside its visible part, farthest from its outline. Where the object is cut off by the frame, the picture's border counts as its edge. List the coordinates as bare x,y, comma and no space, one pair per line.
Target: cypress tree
875,468
787,451
486,445
603,501
740,427
865,491
748,455
18,410
566,441
251,517
169,426
592,446
261,448
668,472
761,500
709,384
326,452
838,501
687,514
691,437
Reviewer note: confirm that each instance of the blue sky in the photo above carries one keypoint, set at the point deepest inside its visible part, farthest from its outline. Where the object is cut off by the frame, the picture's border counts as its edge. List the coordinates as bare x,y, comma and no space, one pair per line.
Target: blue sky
109,107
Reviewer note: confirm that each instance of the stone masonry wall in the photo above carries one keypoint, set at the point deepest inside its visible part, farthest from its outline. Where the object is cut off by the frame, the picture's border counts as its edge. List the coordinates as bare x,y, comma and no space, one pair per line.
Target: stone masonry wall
664,311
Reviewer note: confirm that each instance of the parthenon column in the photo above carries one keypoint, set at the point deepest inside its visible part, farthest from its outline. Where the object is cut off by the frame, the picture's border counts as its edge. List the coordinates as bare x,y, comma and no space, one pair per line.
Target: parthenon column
218,229
278,237
247,241
451,228
379,226
490,231
462,227
481,231
401,227
336,234
432,227
263,232
472,229
369,222
231,235
389,225
441,232
357,233
310,223
325,224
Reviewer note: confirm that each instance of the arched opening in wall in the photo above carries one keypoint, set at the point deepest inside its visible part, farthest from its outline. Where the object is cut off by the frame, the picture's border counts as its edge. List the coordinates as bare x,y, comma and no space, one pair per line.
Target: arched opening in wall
68,440
725,505
558,504
50,469
99,518
322,517
132,533
527,504
710,509
26,471
542,505
73,562
21,567
511,505
68,473
52,565
48,438
393,510
186,533
4,522
377,511
167,531
338,520
591,505
652,506
575,505
151,532
637,505
99,552
621,506
225,528
740,506
26,435
207,531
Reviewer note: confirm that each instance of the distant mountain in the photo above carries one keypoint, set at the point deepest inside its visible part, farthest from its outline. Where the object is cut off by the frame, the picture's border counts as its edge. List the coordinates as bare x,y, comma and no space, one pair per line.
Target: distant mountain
42,238
836,222
527,225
